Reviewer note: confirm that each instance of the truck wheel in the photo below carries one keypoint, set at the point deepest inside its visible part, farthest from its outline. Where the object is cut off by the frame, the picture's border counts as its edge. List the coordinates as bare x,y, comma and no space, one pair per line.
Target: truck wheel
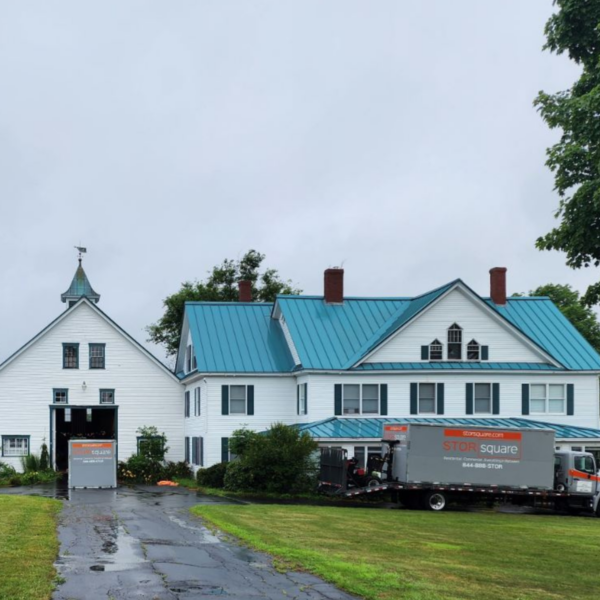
434,501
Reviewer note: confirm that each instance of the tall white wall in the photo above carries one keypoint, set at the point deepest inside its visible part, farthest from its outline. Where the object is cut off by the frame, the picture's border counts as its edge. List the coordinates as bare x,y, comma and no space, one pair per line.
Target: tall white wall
274,401
476,323
144,392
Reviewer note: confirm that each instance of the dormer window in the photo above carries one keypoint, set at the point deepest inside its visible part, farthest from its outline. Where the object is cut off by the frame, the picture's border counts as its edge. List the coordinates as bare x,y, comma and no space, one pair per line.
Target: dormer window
188,359
454,342
436,350
473,350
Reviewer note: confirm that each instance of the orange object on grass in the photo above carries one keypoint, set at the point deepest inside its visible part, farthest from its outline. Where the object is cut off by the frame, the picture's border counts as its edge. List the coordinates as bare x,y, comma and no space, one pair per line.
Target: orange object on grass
171,483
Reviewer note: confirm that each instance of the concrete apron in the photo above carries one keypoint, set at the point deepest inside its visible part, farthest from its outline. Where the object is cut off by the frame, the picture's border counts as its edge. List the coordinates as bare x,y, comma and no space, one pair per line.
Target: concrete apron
143,543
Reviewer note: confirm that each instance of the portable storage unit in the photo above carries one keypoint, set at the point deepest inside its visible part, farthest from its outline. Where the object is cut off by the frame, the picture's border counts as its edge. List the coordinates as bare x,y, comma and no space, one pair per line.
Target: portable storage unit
92,463
479,456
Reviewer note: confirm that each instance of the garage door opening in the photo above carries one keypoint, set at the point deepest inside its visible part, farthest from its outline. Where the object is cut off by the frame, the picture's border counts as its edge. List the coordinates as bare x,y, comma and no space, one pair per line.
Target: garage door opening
85,423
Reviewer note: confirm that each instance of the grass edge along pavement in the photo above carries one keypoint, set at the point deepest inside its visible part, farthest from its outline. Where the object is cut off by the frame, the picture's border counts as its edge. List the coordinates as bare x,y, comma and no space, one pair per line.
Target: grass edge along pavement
28,547
413,555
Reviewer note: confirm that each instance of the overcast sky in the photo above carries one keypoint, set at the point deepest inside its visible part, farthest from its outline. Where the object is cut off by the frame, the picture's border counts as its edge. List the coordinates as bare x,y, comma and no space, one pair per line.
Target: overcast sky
395,137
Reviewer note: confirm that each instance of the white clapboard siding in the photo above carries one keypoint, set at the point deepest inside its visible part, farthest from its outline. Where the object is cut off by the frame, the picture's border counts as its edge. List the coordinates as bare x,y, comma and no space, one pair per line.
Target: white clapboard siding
274,401
145,393
321,394
457,307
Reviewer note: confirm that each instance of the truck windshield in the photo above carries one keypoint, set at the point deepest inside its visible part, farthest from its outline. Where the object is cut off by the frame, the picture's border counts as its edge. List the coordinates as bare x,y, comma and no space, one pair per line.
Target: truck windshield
585,464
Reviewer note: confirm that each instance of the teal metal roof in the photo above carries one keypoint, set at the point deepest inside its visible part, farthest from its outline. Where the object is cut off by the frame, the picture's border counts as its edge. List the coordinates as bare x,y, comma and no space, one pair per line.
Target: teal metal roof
372,428
452,366
237,337
80,286
541,320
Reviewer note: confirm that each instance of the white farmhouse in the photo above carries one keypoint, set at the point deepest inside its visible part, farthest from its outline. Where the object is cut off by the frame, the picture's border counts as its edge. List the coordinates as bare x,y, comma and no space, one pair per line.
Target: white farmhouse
83,376
340,367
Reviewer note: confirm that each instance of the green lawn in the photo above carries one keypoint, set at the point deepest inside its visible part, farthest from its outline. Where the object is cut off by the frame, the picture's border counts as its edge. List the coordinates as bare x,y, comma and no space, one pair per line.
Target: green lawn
28,547
413,555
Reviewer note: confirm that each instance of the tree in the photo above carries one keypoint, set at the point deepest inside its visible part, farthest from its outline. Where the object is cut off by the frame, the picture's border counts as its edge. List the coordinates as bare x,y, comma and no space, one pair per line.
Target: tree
575,159
569,303
220,286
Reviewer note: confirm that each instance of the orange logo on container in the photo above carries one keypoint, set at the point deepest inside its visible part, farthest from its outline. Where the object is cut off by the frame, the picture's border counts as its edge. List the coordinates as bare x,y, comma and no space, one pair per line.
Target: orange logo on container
482,434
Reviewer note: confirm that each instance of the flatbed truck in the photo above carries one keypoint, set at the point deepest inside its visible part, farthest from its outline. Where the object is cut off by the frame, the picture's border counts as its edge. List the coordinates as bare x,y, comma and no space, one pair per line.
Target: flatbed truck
430,466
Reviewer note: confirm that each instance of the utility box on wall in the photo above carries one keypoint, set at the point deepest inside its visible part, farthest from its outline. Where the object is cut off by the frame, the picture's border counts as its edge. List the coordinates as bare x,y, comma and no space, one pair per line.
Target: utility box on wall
92,463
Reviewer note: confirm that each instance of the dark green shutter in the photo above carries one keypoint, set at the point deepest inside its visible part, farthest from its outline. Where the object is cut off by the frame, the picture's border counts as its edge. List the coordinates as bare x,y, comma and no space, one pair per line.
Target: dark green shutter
306,398
187,449
250,392
201,451
485,352
424,352
570,399
414,398
187,404
495,398
297,399
338,399
224,399
224,449
383,399
525,399
440,398
469,395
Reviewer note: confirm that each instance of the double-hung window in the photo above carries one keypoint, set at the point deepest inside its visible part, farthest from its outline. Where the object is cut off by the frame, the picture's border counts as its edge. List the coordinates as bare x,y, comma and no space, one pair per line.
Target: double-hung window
197,401
360,399
107,396
70,356
97,356
363,453
302,405
482,401
15,445
237,399
547,398
454,342
60,396
188,359
427,399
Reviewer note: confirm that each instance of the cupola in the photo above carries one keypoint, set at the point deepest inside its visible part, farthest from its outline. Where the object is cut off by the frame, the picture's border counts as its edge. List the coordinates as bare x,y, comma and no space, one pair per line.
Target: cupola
80,287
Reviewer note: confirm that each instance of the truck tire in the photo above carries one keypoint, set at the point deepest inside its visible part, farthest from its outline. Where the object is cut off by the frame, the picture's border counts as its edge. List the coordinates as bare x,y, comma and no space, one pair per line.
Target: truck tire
435,501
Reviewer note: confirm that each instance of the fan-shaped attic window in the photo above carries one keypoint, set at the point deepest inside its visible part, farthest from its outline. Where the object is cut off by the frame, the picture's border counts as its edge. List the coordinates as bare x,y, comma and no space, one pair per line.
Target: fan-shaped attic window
436,350
454,342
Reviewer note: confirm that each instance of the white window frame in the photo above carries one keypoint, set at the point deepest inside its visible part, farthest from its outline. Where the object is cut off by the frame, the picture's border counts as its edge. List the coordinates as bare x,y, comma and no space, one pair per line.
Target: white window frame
302,398
439,347
419,411
245,399
547,399
197,401
480,412
18,449
474,344
361,399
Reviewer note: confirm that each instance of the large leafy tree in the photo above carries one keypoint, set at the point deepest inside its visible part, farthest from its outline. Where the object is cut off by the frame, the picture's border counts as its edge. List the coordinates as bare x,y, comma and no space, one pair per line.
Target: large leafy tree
221,285
569,303
575,159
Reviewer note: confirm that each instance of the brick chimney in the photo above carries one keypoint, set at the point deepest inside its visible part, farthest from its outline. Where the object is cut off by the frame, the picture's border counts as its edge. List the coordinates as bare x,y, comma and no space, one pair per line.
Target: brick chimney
498,285
245,288
334,286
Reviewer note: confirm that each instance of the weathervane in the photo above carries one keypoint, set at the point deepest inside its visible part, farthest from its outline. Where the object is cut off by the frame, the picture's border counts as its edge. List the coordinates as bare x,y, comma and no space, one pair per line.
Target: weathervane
81,251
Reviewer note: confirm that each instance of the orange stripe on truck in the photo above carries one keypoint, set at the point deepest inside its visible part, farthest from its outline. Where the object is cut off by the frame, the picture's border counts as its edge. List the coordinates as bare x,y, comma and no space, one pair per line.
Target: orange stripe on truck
581,475
483,434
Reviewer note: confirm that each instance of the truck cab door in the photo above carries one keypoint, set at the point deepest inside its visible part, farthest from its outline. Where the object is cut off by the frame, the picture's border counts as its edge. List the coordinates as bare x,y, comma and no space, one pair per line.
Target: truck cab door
561,473
583,477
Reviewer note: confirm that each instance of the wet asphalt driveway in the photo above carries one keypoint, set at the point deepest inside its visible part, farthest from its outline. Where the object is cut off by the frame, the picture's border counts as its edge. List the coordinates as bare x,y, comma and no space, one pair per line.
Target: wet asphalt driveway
144,543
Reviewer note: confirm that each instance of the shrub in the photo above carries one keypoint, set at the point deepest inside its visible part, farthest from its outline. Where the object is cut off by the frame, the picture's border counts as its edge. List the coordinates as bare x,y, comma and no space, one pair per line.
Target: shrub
44,458
6,471
280,461
180,470
30,463
212,476
140,469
